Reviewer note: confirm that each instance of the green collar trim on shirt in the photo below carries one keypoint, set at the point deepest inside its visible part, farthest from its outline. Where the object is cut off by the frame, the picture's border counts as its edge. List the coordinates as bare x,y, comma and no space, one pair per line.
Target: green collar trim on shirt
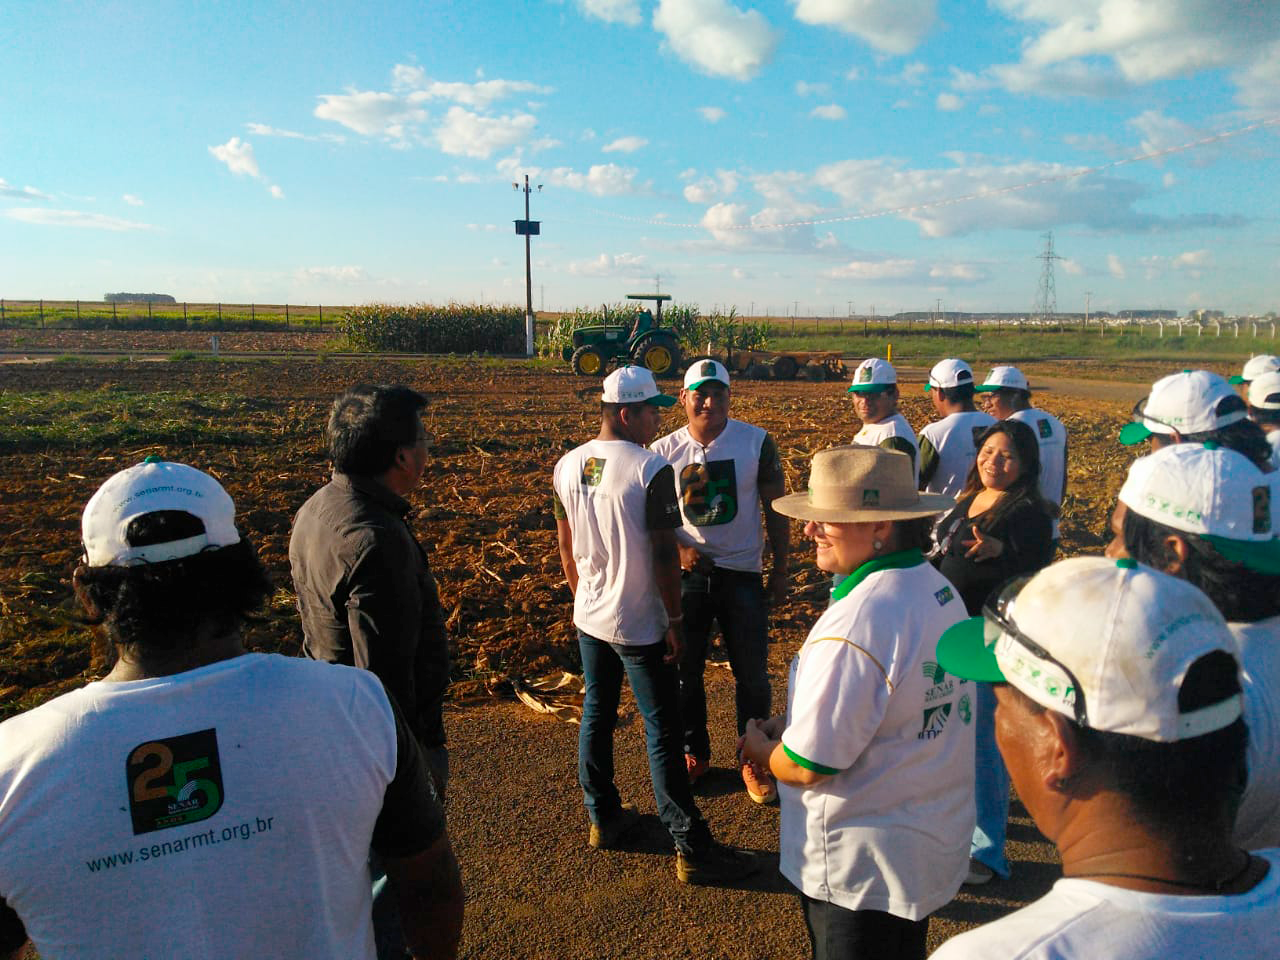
898,560
800,761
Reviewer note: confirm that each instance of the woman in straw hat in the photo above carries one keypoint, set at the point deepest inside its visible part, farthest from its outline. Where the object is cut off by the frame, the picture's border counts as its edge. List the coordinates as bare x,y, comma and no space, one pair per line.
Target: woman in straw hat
874,756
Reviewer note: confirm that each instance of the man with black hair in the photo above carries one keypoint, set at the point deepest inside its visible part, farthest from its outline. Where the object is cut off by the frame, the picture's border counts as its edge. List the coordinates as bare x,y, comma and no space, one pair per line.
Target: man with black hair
1205,514
192,802
616,516
365,590
1133,771
948,447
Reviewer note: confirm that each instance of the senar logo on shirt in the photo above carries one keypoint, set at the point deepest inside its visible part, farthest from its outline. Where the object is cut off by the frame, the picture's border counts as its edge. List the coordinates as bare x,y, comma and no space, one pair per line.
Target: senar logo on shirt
174,781
944,596
1046,428
709,492
1261,509
593,471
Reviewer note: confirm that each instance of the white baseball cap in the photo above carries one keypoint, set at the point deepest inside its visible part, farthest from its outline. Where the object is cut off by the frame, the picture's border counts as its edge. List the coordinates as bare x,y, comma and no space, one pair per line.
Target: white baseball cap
1010,378
1190,402
1255,367
1215,493
150,487
1264,392
873,375
949,373
703,371
634,385
1105,642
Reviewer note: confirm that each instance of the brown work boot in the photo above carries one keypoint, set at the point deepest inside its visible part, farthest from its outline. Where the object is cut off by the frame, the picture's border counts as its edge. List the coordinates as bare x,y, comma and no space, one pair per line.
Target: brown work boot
717,863
607,835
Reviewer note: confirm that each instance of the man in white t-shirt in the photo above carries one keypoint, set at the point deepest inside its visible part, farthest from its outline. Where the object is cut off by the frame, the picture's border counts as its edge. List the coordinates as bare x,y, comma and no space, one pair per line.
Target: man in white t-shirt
1007,396
727,474
1206,514
948,447
616,516
875,401
1132,771
192,804
1264,409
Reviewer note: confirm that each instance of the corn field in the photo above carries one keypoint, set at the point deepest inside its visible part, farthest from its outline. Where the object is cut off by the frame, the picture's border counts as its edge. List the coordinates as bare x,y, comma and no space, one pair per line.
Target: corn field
697,333
425,328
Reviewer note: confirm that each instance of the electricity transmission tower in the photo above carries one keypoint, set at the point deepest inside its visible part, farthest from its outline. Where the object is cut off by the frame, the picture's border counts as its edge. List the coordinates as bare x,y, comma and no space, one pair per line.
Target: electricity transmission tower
1046,308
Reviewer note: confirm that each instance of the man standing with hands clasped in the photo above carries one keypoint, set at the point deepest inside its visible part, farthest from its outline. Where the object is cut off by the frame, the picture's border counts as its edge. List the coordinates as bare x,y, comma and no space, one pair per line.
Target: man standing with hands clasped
616,515
727,472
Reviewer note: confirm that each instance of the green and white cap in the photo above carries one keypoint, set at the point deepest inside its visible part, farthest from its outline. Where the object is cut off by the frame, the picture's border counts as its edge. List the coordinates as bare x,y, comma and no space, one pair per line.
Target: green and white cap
1215,493
634,385
1003,378
1264,392
949,373
1255,367
705,371
873,375
1193,401
1105,642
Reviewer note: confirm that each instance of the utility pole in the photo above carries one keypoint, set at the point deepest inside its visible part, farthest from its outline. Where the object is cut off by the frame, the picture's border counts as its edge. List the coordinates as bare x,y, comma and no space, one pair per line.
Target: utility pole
1088,295
528,228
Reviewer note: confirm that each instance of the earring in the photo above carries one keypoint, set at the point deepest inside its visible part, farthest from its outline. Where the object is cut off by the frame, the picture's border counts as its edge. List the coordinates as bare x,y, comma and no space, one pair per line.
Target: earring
877,545
1063,784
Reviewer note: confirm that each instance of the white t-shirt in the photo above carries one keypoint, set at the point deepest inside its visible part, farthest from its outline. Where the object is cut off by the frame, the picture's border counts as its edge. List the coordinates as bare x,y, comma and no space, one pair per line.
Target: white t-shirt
719,492
1088,920
889,830
1273,438
222,812
603,487
954,442
1258,822
1052,437
874,434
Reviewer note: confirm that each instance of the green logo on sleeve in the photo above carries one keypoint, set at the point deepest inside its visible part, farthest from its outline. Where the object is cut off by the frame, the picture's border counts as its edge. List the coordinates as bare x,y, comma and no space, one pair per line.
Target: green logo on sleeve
174,781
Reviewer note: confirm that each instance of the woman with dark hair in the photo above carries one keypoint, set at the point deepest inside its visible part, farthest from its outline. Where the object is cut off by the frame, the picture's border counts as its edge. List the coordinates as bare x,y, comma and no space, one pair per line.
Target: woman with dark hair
1001,528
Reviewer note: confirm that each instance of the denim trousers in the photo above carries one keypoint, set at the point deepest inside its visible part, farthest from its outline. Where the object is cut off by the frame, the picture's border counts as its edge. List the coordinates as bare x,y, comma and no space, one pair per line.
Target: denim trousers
991,787
838,933
656,691
735,600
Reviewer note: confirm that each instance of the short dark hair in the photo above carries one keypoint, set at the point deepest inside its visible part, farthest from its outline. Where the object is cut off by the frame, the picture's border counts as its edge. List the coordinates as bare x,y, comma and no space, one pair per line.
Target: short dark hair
161,606
1185,786
1241,595
1243,436
960,393
369,423
1261,415
1014,396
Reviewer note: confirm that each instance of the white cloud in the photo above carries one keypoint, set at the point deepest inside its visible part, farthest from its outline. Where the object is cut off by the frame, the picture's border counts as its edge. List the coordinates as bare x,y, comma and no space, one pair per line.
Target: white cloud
371,113
1169,180
876,270
611,265
345,274
890,26
708,190
711,114
626,12
912,75
715,37
238,157
949,101
601,180
21,193
1072,267
1159,132
625,145
830,111
804,89
264,130
463,133
480,96
1115,267
43,216
853,73
277,192
1192,261
483,227
131,200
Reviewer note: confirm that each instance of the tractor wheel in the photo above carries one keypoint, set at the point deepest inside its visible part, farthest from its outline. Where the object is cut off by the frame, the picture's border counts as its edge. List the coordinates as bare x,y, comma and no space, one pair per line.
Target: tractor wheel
815,372
588,361
660,354
784,368
758,371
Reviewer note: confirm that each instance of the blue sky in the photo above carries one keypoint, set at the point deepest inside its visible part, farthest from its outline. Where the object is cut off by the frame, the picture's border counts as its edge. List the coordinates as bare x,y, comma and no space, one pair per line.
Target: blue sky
764,155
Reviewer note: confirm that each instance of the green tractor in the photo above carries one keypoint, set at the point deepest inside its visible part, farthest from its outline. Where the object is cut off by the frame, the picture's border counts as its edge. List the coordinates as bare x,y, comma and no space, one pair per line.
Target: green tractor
645,343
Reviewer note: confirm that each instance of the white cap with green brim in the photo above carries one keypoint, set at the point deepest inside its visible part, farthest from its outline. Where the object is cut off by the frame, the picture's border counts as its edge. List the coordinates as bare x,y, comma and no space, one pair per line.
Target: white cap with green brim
1255,367
634,385
705,371
1190,402
949,373
1215,493
155,486
1264,392
873,375
1003,378
1104,642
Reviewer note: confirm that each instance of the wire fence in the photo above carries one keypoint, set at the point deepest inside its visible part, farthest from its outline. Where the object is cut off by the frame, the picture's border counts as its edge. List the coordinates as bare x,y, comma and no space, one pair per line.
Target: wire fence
150,315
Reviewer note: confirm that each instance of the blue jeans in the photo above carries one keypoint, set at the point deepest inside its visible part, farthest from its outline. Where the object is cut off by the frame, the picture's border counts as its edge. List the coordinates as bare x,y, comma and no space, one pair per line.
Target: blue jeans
991,787
657,697
735,600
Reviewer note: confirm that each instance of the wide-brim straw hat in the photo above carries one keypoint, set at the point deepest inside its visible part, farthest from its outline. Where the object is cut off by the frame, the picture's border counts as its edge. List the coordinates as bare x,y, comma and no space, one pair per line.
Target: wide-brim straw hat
858,483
